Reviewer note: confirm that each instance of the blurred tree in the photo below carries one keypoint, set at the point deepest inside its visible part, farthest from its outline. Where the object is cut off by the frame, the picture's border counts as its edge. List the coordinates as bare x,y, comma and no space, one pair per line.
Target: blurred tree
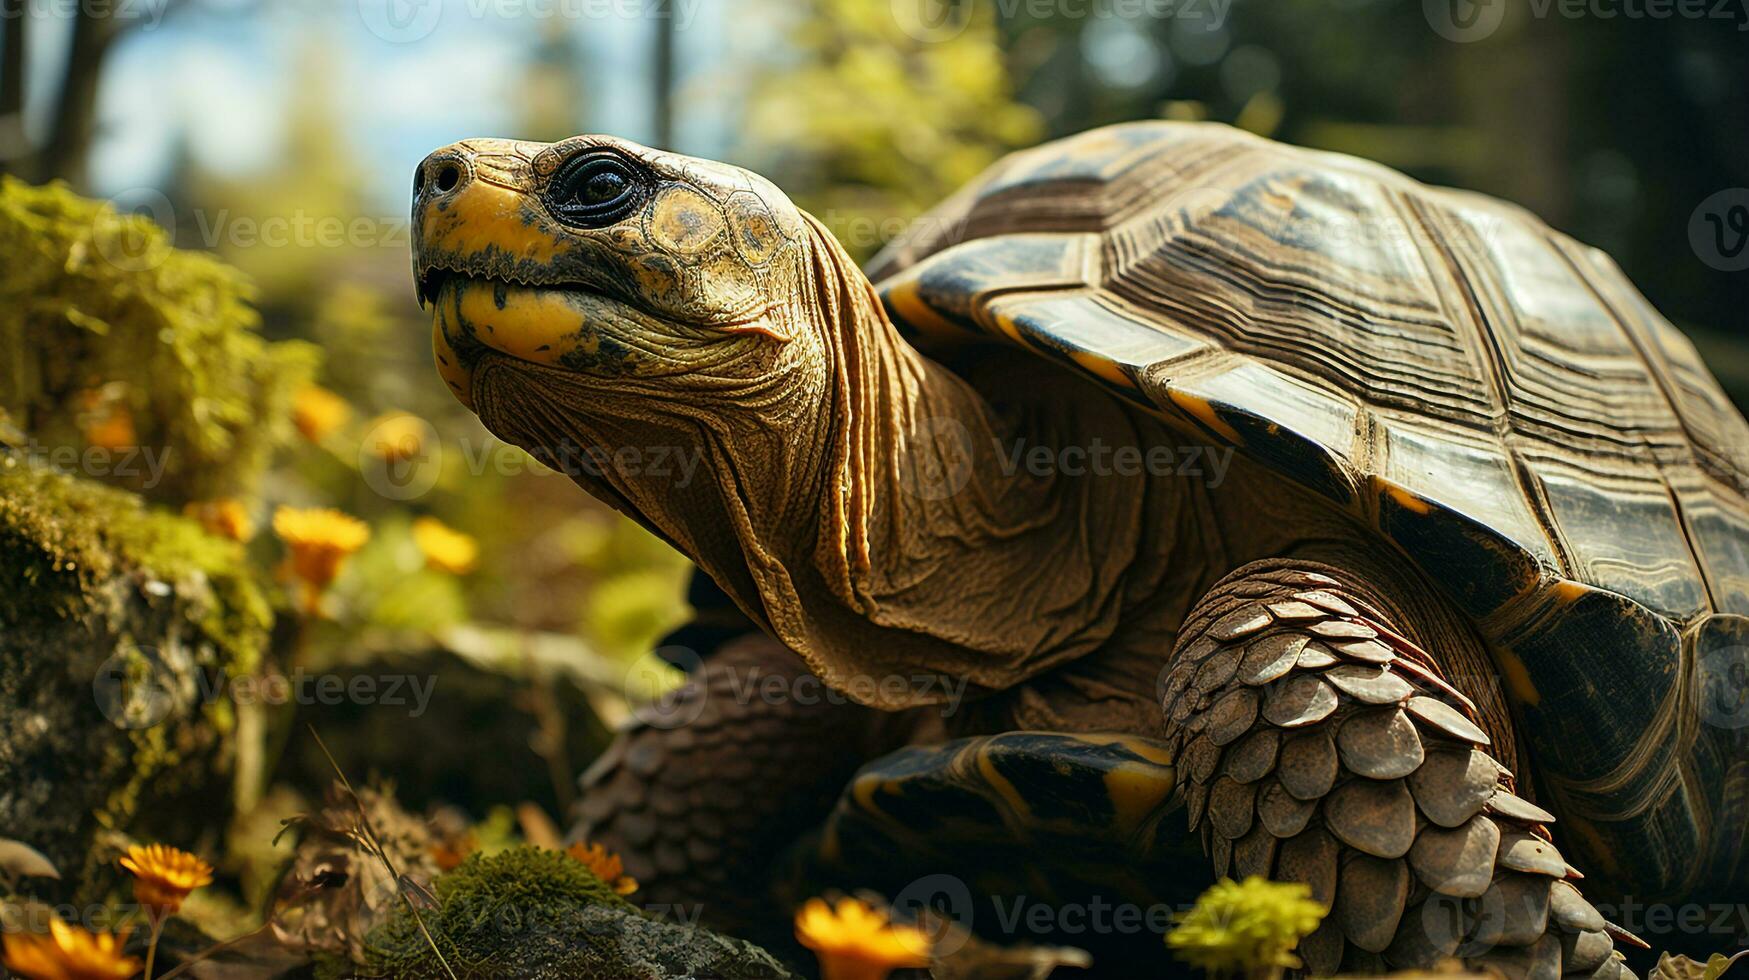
551,107
875,117
73,111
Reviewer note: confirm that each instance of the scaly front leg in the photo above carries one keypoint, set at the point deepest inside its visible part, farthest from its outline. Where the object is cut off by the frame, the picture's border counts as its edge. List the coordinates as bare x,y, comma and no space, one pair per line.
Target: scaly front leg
1317,744
705,788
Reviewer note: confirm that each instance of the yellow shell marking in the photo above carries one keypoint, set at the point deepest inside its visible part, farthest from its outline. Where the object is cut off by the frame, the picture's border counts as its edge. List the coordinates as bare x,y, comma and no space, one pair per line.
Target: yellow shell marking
1517,677
1202,411
920,315
1104,367
683,220
1016,803
1406,500
1136,794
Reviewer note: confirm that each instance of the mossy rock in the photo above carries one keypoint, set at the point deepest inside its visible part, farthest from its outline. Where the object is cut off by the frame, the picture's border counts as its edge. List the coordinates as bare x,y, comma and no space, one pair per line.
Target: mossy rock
535,914
115,343
118,623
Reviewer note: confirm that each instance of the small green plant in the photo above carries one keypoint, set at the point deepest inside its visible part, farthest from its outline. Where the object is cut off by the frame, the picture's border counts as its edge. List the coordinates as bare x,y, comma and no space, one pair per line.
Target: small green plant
1247,928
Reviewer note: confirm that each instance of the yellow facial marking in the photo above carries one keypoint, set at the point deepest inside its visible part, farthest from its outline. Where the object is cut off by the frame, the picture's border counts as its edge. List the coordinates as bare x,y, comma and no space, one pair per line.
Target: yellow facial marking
528,324
683,220
482,217
754,231
1517,678
1202,411
456,378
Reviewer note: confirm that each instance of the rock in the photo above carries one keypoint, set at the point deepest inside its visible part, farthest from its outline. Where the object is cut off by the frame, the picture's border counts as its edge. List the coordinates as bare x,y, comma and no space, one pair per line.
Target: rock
535,914
117,622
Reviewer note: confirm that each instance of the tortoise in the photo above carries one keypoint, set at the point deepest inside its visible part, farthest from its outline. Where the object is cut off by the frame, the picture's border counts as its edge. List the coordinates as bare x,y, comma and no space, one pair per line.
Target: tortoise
1354,528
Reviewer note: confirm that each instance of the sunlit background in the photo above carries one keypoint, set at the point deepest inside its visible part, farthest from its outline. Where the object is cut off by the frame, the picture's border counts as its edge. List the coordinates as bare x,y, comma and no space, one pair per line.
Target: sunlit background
281,136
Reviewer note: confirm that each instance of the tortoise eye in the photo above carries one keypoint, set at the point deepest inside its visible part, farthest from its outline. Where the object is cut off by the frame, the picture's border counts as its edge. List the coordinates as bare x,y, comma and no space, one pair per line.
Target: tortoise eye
594,189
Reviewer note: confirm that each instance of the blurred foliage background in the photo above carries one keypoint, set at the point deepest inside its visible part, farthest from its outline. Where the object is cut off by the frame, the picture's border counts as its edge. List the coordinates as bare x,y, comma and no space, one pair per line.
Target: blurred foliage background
283,358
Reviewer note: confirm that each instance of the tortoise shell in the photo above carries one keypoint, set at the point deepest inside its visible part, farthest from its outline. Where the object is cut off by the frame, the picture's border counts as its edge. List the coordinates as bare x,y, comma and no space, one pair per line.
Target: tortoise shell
1488,395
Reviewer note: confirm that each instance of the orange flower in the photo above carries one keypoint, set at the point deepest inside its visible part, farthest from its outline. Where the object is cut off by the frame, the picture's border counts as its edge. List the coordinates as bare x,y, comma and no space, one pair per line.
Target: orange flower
856,942
104,419
114,430
450,852
316,411
606,865
69,953
226,518
445,548
163,876
320,541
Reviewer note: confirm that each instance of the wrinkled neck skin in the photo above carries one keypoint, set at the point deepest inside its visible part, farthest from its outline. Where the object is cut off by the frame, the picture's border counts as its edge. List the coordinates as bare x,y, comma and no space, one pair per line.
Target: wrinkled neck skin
936,562
869,514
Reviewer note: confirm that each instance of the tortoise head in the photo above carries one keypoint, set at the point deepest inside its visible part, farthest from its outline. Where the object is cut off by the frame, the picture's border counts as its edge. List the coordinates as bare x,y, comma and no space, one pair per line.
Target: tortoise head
659,328
605,259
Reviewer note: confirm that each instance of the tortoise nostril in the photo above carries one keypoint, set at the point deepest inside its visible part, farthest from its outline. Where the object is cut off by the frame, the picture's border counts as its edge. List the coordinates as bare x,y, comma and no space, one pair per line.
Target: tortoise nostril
448,177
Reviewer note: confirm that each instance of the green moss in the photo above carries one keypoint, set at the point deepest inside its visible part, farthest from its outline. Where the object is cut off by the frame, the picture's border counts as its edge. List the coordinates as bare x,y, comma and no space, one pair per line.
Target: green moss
118,622
533,913
101,318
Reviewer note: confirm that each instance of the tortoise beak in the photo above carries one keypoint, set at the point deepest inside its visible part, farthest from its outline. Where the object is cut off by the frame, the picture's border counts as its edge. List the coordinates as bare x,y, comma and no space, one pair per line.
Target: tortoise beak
472,219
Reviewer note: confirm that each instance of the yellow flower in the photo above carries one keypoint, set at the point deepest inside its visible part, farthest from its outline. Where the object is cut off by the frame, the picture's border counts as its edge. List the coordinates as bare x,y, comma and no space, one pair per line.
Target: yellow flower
445,548
1246,926
69,953
320,541
316,411
396,436
163,876
226,518
606,865
856,942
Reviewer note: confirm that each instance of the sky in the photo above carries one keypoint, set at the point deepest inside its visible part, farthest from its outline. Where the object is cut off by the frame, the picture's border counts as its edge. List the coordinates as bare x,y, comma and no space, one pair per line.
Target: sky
407,76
